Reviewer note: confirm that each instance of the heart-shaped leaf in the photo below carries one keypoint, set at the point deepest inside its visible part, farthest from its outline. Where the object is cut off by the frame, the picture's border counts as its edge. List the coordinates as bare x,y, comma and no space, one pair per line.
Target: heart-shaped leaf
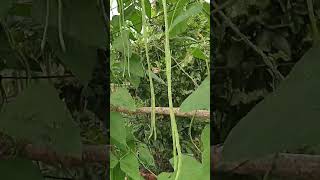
43,119
285,120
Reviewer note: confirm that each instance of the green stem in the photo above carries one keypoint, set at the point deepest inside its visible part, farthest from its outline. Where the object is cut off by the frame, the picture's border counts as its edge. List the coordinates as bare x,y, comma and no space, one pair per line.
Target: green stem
190,136
313,22
44,37
121,23
153,102
63,46
175,134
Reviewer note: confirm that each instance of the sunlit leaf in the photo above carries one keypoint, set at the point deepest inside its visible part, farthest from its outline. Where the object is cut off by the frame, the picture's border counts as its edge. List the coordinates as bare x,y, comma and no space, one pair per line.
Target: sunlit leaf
199,99
122,98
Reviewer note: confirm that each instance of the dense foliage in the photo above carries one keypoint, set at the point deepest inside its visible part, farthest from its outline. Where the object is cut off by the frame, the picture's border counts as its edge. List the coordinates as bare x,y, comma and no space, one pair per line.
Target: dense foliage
53,85
274,117
130,85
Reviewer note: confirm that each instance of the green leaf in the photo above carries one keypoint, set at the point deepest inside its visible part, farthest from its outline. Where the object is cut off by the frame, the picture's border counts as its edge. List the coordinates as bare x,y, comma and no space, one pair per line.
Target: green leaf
197,53
118,129
5,6
81,20
205,138
165,176
136,66
206,9
179,7
122,98
181,19
131,140
134,15
156,78
43,119
134,80
130,165
113,160
199,99
285,120
117,173
190,169
17,169
115,22
147,5
121,43
145,155
81,59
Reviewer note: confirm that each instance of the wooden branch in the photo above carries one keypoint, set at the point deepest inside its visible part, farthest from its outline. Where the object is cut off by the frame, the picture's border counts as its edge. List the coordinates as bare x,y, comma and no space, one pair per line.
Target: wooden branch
90,154
203,114
299,166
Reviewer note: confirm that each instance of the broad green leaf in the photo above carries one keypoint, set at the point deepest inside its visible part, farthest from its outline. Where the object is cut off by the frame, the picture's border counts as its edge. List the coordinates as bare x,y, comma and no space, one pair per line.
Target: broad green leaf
122,98
145,155
117,128
134,15
5,6
285,120
121,43
113,160
130,165
18,169
165,176
81,20
81,59
197,53
136,66
134,80
117,173
131,140
115,22
179,7
185,15
43,119
205,138
191,168
199,99
147,5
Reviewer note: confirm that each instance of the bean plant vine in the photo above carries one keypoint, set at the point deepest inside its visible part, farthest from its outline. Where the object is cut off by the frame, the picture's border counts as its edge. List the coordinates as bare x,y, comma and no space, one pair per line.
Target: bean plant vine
153,101
175,135
166,71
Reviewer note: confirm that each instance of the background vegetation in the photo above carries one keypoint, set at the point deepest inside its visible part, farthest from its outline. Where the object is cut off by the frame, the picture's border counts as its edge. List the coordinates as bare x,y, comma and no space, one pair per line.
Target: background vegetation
249,35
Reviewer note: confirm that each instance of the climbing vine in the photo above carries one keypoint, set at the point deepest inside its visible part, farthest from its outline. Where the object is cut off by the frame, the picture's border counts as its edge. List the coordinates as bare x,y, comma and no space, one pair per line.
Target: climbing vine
159,32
